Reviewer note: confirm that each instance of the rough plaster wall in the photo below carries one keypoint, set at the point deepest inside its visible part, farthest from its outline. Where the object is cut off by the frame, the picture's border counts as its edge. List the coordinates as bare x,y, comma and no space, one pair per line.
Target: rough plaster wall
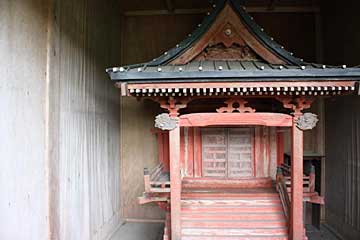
23,200
84,114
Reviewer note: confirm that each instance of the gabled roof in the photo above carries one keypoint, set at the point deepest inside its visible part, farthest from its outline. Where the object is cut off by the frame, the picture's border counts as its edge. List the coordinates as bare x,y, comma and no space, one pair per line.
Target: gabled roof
229,45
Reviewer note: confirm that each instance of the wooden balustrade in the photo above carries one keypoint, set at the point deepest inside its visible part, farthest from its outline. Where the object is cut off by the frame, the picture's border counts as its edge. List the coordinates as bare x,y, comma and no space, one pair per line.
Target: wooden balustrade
157,180
308,181
282,190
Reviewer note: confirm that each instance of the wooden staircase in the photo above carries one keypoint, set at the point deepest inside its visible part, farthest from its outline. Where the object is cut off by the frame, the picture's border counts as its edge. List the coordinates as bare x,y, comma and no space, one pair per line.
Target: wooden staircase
236,214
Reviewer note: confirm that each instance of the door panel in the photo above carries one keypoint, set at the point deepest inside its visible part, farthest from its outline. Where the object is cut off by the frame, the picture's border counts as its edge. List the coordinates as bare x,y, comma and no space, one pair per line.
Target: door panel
214,152
240,152
227,152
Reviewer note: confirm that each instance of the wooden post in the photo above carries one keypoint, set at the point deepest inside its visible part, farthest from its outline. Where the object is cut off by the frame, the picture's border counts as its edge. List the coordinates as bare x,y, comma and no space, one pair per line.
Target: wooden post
312,179
147,180
175,181
296,219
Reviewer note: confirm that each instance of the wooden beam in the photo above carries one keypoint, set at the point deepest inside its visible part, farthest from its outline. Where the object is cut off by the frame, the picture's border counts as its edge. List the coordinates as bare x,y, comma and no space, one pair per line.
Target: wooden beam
232,119
296,216
175,179
283,84
290,9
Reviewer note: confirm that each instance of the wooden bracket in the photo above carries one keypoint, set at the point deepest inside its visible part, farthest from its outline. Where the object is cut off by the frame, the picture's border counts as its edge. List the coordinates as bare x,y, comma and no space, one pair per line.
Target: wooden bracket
296,104
173,105
236,105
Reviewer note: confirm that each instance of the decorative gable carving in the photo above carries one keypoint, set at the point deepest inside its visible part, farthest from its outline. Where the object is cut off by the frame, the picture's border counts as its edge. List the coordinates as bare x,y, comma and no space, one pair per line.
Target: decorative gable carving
221,52
228,38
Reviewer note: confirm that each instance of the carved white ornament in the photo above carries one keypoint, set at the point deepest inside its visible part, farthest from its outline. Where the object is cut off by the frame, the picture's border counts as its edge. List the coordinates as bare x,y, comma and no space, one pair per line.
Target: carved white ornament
165,122
307,121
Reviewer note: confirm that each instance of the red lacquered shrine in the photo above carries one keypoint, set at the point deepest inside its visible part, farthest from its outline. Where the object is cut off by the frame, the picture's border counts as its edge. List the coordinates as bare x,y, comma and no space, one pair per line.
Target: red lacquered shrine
229,92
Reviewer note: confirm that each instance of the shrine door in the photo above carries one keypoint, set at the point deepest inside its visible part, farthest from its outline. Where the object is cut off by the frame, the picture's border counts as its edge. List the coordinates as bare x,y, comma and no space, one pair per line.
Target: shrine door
227,152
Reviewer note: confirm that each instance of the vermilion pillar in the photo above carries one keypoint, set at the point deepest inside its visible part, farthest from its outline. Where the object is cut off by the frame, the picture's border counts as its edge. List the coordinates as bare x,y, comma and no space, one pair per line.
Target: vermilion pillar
296,216
175,181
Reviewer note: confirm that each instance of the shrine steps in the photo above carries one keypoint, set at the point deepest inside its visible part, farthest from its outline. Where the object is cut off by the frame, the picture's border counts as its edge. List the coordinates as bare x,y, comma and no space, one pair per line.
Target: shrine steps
251,214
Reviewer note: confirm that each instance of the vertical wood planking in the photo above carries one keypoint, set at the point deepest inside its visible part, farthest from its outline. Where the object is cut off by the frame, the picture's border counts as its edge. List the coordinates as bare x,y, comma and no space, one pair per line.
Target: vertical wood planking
343,165
88,129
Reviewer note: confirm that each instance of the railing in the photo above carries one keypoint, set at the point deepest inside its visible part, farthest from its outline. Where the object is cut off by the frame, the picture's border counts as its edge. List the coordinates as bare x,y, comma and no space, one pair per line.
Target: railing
283,192
156,180
308,181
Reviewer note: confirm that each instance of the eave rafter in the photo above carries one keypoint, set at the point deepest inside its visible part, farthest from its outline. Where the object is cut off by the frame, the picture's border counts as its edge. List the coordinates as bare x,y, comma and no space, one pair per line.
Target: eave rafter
304,88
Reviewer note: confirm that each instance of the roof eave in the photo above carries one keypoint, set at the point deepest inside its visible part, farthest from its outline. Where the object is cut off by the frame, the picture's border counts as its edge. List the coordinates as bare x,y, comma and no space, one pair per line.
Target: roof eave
257,75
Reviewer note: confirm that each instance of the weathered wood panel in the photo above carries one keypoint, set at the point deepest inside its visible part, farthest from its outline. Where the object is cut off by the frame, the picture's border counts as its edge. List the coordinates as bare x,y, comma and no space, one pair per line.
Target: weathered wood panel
83,120
138,150
214,152
343,165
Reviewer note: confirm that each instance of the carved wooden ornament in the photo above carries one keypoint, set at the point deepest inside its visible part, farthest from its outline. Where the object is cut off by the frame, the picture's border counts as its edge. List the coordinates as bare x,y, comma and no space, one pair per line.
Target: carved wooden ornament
307,121
165,122
236,105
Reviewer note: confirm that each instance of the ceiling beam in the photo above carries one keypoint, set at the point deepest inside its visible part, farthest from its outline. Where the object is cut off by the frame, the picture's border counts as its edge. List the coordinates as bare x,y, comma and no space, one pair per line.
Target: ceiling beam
275,9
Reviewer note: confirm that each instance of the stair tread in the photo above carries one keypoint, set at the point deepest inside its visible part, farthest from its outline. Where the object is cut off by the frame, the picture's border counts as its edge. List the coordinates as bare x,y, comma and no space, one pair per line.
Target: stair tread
209,237
234,231
235,214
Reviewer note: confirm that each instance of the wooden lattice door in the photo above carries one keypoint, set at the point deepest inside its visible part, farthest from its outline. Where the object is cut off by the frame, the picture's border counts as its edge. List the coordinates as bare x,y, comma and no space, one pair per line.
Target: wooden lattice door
227,152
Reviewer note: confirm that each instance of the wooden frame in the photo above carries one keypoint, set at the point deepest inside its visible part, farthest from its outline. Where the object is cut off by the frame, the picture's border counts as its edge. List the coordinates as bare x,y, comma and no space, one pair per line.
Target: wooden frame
234,119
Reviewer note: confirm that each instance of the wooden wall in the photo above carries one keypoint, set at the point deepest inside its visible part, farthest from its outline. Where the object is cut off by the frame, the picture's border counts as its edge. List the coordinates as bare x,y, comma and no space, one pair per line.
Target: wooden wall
343,166
341,46
84,114
59,144
23,202
147,36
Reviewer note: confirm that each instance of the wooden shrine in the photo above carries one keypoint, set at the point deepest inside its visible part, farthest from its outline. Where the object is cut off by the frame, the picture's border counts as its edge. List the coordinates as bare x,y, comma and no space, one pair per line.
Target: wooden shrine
229,92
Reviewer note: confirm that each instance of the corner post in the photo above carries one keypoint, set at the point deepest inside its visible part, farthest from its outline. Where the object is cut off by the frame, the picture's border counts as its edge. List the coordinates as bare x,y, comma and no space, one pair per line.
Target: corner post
175,183
296,219
170,122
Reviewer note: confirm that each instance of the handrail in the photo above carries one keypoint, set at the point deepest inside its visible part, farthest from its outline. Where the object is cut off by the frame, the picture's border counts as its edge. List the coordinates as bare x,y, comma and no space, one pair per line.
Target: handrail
308,181
156,181
284,196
